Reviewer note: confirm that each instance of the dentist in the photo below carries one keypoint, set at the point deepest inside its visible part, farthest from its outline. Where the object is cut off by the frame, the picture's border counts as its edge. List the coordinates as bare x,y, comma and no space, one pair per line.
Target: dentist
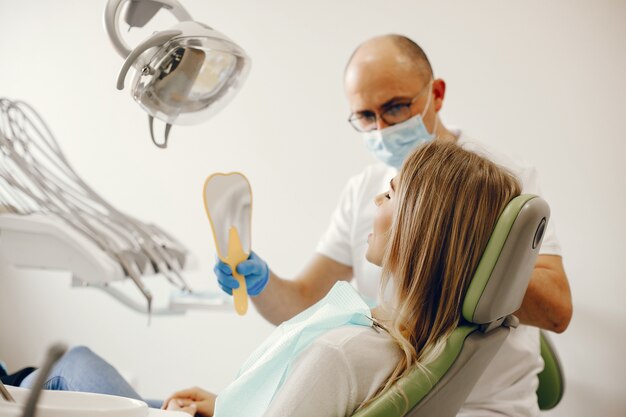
395,101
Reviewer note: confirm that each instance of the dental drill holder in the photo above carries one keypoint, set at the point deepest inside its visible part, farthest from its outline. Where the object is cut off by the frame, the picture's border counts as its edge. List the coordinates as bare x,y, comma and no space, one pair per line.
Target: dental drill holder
51,219
39,241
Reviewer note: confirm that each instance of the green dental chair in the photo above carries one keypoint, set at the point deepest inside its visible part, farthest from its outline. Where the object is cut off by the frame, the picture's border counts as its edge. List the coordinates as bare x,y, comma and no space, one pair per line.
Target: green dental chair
494,294
551,382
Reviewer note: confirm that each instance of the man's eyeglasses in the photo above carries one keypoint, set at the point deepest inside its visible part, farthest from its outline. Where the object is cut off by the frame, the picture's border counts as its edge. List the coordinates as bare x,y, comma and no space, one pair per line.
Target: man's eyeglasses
395,113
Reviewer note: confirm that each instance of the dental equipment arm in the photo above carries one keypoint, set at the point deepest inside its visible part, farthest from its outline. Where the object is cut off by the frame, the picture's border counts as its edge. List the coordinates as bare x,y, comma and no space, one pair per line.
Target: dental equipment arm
52,219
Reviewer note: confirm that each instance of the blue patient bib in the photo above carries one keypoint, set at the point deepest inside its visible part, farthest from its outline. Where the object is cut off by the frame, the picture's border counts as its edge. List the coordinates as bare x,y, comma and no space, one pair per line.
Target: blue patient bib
262,375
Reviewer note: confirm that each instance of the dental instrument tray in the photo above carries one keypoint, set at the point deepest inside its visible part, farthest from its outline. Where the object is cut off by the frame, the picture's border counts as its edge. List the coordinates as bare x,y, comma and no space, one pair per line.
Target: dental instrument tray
38,241
50,218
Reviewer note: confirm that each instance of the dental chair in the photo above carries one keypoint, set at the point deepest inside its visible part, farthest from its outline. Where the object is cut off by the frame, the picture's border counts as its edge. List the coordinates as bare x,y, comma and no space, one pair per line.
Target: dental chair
551,381
494,294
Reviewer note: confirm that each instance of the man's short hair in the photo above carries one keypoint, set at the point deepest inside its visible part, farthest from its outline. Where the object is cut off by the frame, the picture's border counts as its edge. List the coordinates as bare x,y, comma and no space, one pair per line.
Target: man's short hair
408,48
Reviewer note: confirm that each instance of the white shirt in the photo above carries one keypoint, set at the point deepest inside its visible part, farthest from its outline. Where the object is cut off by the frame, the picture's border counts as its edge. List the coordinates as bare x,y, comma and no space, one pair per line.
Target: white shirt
333,376
509,383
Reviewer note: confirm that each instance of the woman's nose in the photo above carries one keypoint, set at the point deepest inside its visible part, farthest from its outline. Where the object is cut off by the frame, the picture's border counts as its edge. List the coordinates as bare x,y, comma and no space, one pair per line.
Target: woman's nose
378,200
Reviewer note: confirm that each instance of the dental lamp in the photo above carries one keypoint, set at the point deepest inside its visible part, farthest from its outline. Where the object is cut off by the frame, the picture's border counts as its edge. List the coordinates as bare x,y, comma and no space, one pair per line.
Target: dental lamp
183,75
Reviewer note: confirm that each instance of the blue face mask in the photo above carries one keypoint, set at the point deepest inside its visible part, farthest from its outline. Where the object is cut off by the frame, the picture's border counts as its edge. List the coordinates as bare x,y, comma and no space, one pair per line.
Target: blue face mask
392,144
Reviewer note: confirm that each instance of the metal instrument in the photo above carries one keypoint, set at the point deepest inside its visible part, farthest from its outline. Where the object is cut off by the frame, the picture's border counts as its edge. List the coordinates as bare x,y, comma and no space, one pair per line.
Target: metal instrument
37,179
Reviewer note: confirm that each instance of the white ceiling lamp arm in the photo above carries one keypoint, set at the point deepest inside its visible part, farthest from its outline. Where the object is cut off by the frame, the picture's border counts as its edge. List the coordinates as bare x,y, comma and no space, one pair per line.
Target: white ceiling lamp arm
137,14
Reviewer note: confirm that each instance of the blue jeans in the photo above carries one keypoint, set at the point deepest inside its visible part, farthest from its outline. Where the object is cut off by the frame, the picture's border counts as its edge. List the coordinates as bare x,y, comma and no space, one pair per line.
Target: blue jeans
82,370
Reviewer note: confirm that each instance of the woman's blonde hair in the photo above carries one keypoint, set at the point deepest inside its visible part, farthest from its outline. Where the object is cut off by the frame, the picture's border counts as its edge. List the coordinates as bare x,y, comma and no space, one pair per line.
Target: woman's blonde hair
447,203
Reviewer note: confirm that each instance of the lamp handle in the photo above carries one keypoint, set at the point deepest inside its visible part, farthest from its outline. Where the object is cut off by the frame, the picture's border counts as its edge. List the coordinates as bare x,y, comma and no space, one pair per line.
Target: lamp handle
157,39
137,14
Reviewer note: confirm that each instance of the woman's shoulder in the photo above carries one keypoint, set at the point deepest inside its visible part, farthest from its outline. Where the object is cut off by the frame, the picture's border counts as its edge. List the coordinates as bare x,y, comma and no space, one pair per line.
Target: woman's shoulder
338,371
367,352
357,338
361,350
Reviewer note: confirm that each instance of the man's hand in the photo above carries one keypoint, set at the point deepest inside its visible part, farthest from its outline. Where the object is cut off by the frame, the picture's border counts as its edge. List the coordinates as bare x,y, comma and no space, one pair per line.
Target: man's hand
192,401
254,269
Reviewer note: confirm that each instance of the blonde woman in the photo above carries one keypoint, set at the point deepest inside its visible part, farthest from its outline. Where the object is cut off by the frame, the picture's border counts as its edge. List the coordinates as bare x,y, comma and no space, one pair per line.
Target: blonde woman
430,231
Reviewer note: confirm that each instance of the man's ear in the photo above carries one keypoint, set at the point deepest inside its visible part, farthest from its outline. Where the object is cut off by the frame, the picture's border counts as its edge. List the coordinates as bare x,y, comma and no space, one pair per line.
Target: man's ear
439,92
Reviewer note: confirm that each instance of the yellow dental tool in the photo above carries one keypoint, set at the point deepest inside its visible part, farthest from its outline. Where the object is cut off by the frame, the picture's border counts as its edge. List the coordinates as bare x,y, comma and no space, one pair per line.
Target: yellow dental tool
228,205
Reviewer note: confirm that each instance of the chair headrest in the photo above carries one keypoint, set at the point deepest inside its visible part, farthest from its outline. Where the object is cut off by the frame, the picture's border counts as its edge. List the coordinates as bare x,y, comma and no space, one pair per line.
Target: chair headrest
503,273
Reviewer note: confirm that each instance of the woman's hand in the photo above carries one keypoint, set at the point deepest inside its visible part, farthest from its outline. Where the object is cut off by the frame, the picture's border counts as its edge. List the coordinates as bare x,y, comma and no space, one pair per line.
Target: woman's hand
179,405
192,401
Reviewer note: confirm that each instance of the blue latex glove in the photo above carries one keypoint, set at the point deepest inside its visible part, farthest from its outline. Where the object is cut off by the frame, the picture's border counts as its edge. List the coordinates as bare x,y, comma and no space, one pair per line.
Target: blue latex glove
254,269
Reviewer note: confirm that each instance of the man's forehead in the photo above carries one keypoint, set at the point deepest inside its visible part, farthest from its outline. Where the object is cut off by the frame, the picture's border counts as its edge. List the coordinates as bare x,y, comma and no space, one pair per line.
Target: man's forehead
386,64
370,87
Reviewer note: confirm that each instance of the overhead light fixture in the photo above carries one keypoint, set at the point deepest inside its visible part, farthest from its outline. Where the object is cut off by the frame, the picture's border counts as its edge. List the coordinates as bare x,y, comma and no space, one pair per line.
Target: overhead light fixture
183,75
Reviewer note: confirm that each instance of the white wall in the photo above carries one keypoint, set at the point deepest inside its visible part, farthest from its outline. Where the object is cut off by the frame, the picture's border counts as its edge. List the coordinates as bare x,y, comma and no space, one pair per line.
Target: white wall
542,80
